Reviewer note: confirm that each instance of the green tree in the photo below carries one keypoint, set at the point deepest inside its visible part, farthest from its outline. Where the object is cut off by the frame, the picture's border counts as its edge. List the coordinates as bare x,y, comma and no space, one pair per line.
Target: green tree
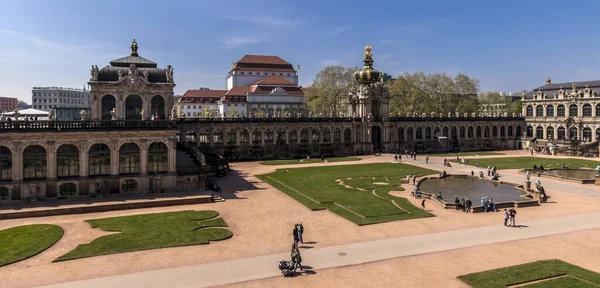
327,95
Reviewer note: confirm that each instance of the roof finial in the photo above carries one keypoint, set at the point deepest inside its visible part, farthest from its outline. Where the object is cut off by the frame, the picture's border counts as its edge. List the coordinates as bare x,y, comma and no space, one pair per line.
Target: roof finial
134,48
548,81
368,52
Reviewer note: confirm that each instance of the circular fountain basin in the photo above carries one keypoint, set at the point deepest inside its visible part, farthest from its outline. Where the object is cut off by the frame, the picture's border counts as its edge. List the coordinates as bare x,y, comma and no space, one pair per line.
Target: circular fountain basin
473,188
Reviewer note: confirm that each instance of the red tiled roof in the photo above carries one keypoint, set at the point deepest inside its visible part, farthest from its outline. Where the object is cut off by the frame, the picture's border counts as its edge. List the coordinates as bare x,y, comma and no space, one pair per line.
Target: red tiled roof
274,80
205,93
238,91
267,90
275,69
263,59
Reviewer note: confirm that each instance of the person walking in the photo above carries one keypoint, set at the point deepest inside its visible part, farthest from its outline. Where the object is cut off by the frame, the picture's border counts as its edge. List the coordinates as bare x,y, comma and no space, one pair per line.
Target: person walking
505,217
295,234
399,157
322,158
513,214
427,159
300,232
408,179
423,204
395,158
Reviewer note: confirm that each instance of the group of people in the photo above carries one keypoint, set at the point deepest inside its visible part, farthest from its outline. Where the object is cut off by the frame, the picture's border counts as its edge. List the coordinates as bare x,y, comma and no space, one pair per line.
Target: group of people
463,205
488,204
297,233
510,215
447,163
541,167
413,177
398,158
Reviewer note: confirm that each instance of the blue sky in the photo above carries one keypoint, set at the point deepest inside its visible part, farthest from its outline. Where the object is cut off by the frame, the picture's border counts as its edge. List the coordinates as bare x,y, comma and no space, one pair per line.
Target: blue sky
507,45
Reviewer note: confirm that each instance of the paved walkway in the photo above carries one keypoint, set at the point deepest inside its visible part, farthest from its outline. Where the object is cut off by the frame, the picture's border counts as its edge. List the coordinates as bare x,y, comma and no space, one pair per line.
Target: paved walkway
235,271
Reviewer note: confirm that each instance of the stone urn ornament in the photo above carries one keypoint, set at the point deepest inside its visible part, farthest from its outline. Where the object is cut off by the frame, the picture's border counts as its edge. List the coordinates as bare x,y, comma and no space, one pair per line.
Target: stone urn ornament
113,114
143,114
83,114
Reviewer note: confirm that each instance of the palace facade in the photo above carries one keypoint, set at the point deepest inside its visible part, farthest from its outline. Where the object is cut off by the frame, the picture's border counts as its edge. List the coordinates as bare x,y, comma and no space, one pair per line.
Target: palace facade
119,150
563,111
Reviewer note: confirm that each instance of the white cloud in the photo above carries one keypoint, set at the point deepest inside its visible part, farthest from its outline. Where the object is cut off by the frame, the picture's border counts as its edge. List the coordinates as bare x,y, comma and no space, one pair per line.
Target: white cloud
329,62
340,29
233,42
263,20
391,42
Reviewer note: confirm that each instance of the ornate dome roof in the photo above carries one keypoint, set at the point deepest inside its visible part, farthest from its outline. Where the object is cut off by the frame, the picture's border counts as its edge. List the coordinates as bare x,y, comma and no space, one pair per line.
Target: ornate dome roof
368,74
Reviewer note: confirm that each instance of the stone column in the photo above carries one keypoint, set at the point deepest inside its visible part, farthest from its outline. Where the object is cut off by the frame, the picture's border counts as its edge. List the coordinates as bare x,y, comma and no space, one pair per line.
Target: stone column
114,159
287,137
51,162
143,158
120,105
171,157
17,164
237,138
83,160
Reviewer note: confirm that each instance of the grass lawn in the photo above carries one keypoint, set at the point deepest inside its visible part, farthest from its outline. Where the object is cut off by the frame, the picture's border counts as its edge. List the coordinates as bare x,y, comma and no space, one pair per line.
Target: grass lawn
152,231
303,161
528,162
21,242
461,154
360,195
573,276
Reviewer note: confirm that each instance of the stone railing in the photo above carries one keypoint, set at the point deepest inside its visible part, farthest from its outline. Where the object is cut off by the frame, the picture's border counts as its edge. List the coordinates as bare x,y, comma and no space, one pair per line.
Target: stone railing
342,119
94,125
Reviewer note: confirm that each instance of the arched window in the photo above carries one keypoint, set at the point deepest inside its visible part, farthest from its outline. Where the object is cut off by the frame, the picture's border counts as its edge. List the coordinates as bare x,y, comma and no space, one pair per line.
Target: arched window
190,137
358,138
587,110
269,136
445,132
271,114
99,160
129,159
597,134
470,134
502,131
518,131
67,161
218,136
550,132
34,162
587,134
427,132
419,133
453,134
529,111
598,111
400,134
4,193
326,135
231,136
256,137
478,131
133,107
510,134
337,135
550,111
108,104
529,131
539,111
129,185
573,110
462,132
67,189
204,136
315,135
293,136
573,133
409,134
158,106
347,135
436,131
244,136
486,132
5,164
539,132
281,136
560,133
494,132
560,111
304,135
158,158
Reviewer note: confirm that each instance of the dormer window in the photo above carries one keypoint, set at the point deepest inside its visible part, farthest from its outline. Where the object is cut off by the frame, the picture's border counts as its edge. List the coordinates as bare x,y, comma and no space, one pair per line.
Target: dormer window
242,73
288,74
250,73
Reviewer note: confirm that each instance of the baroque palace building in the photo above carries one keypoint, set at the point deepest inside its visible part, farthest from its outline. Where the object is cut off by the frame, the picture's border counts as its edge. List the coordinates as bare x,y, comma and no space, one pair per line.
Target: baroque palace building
119,150
563,111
